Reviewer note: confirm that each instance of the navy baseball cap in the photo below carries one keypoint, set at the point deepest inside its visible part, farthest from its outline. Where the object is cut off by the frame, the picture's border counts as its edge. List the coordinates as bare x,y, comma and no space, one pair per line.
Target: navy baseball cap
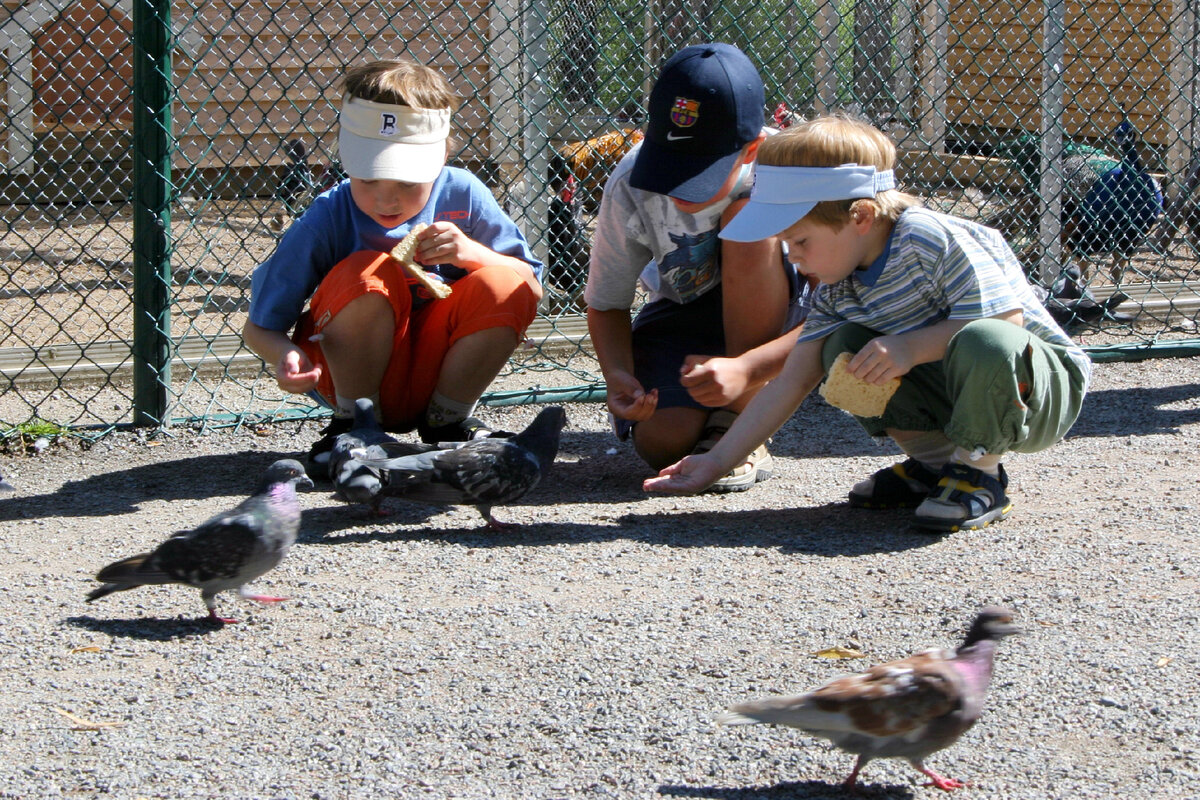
706,105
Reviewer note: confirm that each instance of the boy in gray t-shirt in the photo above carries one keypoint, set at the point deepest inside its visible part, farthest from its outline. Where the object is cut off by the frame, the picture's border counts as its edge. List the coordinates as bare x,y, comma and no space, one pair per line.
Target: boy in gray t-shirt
720,317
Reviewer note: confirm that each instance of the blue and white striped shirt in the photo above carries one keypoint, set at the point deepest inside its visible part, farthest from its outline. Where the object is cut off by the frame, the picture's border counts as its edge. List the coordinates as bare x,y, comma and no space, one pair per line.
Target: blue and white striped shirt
936,267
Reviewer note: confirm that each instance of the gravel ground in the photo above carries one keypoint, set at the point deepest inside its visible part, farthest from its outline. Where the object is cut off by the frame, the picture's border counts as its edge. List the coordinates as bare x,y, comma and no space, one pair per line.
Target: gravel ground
587,653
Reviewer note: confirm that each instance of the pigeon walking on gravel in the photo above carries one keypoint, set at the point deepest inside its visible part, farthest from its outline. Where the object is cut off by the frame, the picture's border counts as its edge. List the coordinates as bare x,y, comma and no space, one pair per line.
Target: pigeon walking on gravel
226,551
903,709
482,472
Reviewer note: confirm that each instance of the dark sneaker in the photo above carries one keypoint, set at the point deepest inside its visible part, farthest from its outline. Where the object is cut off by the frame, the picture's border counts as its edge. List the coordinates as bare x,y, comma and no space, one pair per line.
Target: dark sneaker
470,428
317,463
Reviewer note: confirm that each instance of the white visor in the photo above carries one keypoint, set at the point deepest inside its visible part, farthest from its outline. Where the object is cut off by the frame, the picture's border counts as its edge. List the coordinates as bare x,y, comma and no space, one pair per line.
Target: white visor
782,195
381,141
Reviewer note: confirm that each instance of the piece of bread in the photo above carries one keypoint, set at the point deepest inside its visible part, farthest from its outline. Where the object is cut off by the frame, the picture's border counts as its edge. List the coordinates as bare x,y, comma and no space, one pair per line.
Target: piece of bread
404,251
853,394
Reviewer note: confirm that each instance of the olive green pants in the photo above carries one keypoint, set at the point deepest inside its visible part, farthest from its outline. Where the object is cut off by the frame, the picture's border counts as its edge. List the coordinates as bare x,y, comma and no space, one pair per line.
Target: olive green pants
999,388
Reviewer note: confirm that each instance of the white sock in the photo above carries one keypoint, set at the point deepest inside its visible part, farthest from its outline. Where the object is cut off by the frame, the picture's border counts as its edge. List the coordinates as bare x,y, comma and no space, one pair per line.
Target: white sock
984,462
345,406
445,411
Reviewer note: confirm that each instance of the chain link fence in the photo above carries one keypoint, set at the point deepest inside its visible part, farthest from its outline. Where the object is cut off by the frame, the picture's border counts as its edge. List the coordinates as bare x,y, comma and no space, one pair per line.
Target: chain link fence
153,152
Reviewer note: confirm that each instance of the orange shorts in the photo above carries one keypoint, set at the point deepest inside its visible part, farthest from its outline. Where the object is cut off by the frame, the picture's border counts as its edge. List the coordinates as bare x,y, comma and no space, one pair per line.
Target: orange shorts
492,297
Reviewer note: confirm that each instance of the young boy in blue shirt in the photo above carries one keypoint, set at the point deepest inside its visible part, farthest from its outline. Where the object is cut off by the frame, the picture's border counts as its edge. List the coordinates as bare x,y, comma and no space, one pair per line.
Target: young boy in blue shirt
369,329
940,302
720,317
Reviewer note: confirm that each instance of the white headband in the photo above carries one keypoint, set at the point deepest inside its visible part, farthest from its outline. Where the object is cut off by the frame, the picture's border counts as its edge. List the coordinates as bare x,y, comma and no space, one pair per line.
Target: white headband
381,141
783,195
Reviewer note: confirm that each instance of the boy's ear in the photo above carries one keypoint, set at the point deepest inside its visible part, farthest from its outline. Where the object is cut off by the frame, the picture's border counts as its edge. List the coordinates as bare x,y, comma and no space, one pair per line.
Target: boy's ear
862,216
750,151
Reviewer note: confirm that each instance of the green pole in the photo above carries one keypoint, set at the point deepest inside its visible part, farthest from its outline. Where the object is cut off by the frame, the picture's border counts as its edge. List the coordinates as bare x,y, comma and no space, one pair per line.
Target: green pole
151,210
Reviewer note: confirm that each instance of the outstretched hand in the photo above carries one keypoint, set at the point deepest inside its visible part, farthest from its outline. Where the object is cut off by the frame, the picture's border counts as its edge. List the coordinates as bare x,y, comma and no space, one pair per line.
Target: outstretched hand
687,476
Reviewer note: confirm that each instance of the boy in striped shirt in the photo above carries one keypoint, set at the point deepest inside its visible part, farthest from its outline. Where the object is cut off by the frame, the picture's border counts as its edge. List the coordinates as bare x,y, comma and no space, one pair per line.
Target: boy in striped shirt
938,301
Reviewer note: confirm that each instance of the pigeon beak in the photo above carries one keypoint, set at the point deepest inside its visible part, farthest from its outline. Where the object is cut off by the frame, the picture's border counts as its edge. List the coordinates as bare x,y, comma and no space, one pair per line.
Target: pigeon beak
305,481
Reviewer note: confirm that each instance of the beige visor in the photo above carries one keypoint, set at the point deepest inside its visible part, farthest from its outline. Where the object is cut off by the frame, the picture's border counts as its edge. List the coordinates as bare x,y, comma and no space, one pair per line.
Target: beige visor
380,141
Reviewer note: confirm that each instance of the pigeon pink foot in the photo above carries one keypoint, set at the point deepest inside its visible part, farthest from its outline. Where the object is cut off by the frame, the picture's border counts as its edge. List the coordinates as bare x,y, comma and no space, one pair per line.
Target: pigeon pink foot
941,782
215,617
264,598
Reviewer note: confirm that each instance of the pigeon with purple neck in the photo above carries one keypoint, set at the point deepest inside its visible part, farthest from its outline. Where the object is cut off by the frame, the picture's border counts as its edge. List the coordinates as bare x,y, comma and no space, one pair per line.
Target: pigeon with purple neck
224,552
910,708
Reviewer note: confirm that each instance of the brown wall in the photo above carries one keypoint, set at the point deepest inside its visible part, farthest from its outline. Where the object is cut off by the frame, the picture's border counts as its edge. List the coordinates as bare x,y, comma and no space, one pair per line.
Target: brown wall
1115,53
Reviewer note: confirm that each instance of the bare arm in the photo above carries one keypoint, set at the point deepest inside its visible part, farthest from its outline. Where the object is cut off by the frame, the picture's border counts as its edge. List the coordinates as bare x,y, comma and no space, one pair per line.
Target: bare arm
294,372
716,382
612,338
754,289
769,409
887,357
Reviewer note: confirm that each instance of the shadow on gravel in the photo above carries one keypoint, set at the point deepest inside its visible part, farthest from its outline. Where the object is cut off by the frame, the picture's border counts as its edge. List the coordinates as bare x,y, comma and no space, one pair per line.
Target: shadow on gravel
819,530
233,474
803,790
1137,411
154,629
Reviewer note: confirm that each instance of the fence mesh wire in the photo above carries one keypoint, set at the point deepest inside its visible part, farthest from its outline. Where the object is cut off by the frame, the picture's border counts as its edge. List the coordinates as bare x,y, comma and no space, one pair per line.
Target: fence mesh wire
1071,127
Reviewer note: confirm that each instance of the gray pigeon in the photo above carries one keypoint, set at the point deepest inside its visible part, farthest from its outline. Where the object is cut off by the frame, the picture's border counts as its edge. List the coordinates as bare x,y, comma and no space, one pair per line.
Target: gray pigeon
226,551
353,481
6,487
907,709
482,472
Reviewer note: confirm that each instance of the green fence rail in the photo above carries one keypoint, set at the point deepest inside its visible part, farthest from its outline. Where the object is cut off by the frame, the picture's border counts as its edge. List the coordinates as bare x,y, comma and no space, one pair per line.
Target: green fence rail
154,151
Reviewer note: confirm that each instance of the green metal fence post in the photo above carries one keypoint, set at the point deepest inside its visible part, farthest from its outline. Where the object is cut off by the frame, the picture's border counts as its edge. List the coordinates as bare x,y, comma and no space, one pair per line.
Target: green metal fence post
151,211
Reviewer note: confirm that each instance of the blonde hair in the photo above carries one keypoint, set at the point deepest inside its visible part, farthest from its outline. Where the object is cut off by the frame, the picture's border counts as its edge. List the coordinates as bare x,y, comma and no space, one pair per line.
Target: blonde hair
400,82
830,141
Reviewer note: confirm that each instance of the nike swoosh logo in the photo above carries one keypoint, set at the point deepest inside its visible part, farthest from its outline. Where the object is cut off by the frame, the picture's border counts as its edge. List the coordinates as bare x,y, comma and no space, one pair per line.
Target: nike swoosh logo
671,137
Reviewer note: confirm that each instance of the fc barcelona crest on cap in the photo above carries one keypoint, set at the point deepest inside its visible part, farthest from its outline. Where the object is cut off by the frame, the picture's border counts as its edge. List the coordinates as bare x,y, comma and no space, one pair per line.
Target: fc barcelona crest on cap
685,112
688,155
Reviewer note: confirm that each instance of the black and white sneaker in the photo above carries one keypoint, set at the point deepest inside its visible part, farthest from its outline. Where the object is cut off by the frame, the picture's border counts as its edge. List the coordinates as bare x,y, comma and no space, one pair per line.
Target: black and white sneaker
317,462
464,431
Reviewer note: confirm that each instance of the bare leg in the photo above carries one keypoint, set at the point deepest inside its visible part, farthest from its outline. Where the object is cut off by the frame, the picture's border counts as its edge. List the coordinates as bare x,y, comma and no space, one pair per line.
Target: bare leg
669,435
754,296
358,345
474,361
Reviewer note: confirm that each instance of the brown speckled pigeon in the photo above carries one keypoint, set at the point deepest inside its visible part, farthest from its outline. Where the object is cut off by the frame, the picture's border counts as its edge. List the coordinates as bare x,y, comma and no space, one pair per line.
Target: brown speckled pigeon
482,472
903,709
226,551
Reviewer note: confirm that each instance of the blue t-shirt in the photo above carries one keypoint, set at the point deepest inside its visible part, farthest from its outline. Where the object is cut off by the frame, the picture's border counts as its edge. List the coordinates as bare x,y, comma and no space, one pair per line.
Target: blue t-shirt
333,228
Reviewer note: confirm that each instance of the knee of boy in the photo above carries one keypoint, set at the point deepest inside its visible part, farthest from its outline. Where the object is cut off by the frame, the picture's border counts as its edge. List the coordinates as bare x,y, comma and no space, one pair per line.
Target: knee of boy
849,338
988,343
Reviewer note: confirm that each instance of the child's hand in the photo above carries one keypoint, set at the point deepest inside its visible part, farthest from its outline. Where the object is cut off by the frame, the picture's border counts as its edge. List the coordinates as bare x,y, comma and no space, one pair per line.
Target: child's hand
627,399
296,373
713,381
688,476
883,358
444,243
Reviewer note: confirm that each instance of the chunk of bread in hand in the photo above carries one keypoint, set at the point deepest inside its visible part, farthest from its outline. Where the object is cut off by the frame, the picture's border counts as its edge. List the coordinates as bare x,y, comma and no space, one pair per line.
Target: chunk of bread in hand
853,394
404,252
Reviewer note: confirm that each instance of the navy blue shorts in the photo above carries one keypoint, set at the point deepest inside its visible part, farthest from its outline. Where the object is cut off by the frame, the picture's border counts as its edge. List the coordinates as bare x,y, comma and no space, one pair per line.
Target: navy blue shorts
665,333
